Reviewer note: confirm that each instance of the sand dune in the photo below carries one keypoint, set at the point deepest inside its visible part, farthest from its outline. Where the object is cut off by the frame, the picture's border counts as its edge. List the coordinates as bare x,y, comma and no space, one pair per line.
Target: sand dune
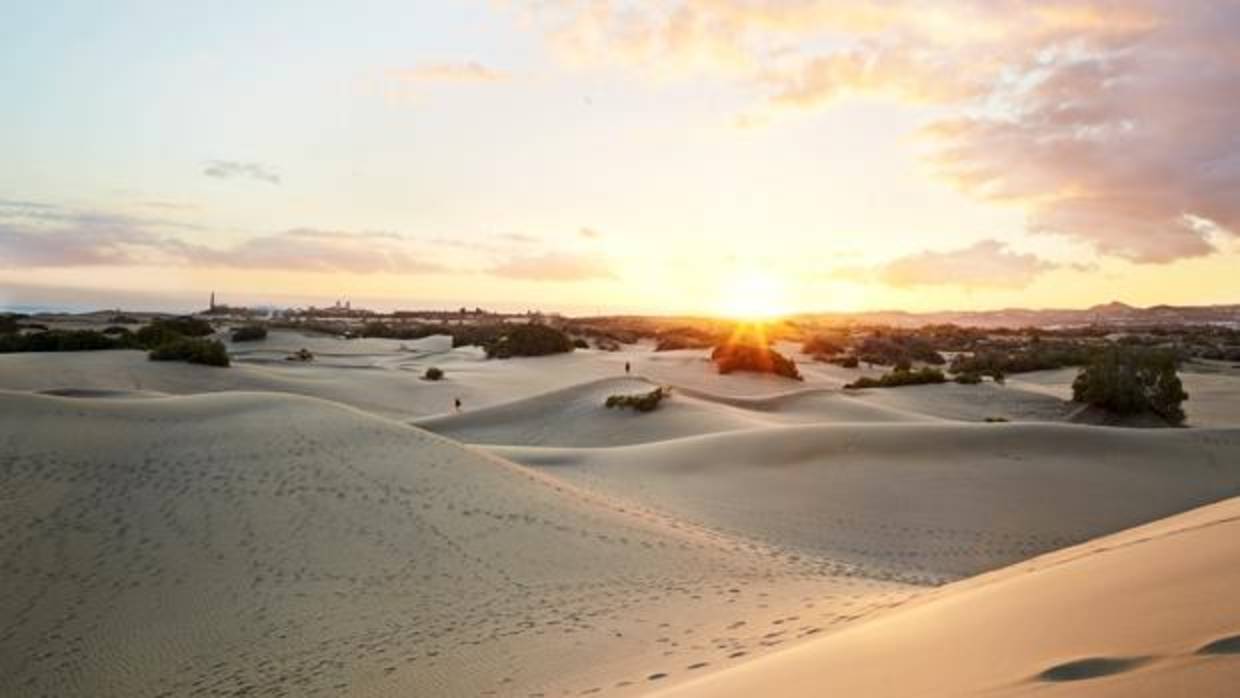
941,499
281,529
576,416
1152,611
281,545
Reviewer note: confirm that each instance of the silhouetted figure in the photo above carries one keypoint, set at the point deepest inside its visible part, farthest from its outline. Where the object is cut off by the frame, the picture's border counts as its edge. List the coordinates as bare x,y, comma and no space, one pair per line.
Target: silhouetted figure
457,403
627,368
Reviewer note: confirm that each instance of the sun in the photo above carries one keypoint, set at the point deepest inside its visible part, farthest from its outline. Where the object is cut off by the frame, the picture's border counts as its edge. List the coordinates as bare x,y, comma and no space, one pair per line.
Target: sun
753,296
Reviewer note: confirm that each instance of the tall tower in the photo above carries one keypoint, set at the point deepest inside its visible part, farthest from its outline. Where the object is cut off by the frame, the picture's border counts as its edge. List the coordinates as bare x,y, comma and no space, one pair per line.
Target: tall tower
213,300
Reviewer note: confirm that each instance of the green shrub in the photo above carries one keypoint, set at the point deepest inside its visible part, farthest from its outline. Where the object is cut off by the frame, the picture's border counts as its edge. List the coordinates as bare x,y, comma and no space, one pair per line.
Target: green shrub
890,350
1038,356
580,343
529,340
820,345
895,379
434,373
969,378
848,361
642,402
1132,380
60,340
731,357
8,323
417,330
163,331
249,333
209,352
996,420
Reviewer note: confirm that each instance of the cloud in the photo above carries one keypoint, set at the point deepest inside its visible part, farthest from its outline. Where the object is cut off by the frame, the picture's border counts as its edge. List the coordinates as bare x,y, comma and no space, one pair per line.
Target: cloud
1129,143
232,169
1109,122
470,71
589,233
519,238
986,264
554,267
46,236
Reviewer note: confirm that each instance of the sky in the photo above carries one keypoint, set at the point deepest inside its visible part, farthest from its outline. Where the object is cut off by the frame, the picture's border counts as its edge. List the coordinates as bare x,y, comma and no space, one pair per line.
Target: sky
596,156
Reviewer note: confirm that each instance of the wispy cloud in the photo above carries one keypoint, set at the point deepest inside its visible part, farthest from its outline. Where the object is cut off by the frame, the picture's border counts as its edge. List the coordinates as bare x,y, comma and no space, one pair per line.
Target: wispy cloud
985,264
45,236
554,267
468,71
233,169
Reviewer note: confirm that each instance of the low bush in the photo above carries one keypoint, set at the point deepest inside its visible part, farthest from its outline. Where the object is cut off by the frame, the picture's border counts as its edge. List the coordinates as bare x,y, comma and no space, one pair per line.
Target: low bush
417,330
580,343
895,379
685,338
823,346
302,354
642,402
249,333
529,340
60,340
209,352
434,373
8,323
1038,356
751,357
1128,380
969,378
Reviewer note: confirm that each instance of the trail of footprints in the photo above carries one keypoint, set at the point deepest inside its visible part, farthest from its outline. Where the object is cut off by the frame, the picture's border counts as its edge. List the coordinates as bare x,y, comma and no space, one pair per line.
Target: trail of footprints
219,564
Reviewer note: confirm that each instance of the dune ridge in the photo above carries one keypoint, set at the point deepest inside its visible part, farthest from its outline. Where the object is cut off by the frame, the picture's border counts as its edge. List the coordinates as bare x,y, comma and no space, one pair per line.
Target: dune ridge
1149,611
286,545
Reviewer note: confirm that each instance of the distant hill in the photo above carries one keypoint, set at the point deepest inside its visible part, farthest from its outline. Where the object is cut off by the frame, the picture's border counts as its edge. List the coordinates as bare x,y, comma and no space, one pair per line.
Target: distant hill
1114,313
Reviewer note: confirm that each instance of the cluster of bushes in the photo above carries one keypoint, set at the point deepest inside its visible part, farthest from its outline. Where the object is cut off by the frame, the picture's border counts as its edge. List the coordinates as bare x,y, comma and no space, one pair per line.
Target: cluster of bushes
822,346
249,333
416,330
477,335
734,356
169,339
194,350
60,340
434,373
642,402
891,349
1128,380
685,338
900,377
528,340
1038,356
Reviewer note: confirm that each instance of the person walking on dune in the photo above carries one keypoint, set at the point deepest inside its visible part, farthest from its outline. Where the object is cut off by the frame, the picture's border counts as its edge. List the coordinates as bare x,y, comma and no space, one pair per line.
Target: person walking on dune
627,368
457,404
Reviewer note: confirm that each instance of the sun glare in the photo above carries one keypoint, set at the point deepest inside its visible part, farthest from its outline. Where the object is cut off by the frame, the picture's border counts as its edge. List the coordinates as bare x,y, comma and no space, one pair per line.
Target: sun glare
754,296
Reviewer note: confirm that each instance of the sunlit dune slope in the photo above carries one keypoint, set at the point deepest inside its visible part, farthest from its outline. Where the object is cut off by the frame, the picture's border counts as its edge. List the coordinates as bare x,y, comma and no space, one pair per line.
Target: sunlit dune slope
1150,612
269,544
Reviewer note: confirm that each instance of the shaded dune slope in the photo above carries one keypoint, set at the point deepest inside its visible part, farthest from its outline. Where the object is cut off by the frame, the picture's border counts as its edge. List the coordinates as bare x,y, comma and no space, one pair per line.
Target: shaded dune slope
944,499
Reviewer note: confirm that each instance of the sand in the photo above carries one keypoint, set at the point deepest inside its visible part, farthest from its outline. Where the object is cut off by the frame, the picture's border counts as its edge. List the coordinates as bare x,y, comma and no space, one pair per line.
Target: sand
1152,611
278,528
